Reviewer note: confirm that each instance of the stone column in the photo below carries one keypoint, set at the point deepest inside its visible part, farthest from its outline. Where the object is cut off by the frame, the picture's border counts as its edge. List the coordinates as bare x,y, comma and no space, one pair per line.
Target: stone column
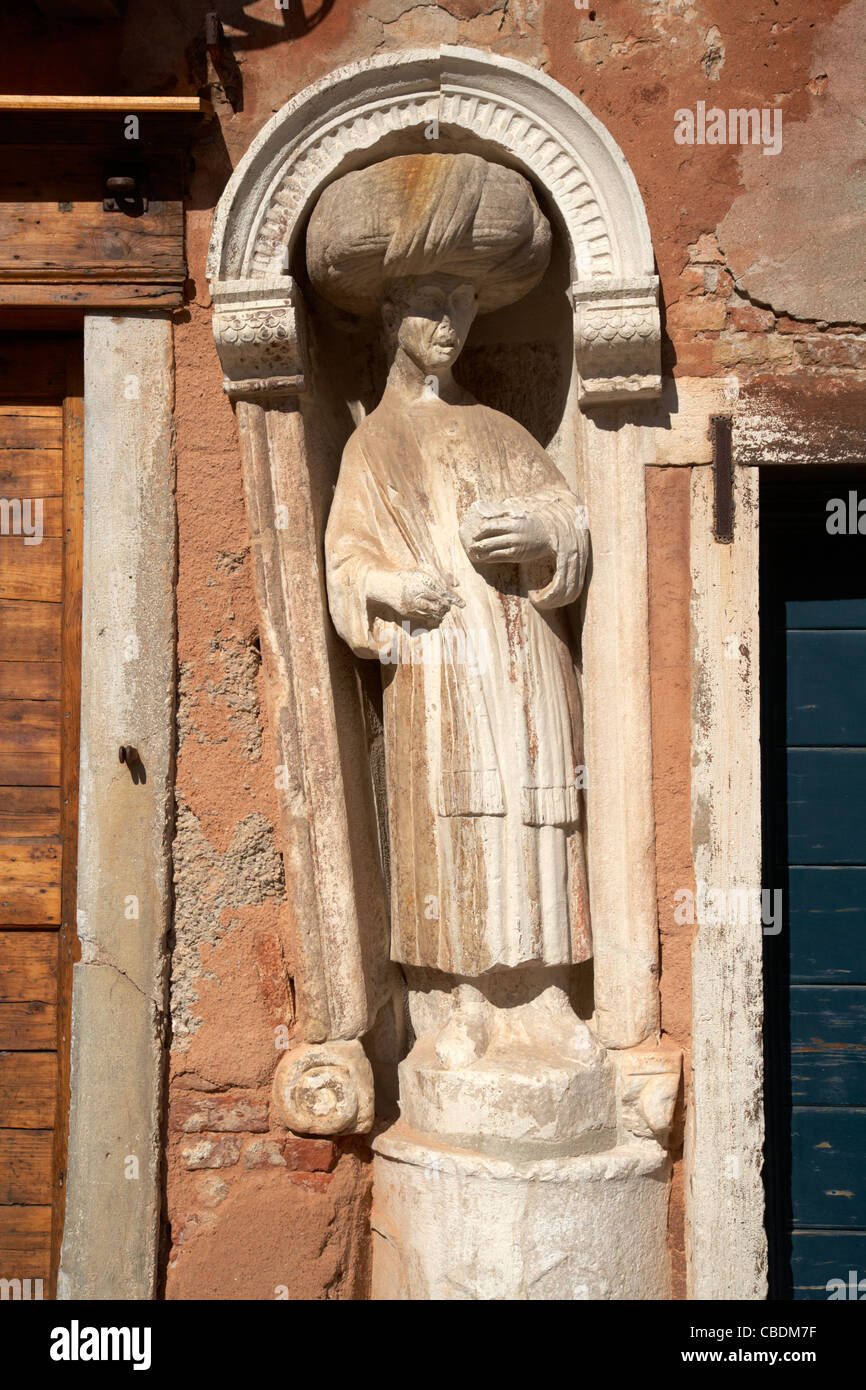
124,862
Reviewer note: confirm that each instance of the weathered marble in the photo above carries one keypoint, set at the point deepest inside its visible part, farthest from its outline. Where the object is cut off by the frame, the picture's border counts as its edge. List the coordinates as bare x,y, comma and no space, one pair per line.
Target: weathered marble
454,547
456,553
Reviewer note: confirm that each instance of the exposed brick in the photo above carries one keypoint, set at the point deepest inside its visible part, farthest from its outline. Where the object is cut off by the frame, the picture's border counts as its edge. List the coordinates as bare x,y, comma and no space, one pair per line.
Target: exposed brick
308,1155
694,357
220,1152
746,318
754,349
213,1191
271,967
183,1228
693,279
312,1182
825,351
705,251
264,1153
696,315
711,277
224,1111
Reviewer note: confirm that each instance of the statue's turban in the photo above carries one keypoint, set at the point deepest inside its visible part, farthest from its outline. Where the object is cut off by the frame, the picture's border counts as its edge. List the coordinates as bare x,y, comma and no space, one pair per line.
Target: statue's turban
421,214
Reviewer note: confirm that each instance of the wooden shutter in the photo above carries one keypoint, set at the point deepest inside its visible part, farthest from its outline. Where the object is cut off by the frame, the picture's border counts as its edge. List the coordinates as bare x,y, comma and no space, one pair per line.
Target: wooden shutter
41,462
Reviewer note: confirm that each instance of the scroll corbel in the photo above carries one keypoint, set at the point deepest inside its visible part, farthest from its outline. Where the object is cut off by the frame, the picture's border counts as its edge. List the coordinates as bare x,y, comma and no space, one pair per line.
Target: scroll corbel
649,1083
618,340
259,331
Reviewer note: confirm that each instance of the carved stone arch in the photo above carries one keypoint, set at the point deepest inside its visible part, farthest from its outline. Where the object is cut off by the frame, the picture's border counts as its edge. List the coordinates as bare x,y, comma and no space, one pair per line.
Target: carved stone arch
451,98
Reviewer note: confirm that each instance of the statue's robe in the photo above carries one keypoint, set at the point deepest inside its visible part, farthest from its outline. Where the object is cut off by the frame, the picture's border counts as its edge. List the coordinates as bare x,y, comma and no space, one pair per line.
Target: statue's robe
482,722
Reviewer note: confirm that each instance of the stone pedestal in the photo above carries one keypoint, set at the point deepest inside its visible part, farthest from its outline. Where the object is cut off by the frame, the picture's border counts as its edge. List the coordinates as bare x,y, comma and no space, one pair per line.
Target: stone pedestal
527,1162
452,1224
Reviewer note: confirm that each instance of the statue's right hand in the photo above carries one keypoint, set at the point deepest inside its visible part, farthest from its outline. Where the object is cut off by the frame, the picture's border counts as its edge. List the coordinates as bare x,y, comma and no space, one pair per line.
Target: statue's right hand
415,595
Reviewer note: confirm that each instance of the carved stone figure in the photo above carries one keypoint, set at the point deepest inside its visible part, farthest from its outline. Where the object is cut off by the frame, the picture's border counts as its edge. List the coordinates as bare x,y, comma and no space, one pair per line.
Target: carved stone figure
452,548
528,1160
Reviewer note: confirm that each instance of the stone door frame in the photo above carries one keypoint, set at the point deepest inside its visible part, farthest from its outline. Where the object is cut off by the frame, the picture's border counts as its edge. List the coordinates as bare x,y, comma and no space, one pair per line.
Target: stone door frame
795,421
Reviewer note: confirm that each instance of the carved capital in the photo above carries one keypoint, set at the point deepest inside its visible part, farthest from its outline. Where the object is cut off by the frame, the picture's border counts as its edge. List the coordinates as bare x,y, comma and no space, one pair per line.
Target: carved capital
649,1082
325,1088
618,341
259,333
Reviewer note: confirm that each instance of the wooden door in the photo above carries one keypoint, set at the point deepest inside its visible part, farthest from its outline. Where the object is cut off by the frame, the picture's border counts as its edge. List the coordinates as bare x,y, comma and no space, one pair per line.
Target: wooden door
41,480
813,675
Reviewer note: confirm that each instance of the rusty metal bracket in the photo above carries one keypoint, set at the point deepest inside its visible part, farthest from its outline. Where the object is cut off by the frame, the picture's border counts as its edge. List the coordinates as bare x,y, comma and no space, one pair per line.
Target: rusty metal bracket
125,190
721,430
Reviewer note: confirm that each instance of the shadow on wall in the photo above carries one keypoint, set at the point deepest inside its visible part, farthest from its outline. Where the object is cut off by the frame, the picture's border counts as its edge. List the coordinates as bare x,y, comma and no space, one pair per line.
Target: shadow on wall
294,18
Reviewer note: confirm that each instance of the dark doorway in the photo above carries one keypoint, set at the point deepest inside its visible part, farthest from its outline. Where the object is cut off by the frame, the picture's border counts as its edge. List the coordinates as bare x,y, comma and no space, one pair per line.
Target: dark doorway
813,679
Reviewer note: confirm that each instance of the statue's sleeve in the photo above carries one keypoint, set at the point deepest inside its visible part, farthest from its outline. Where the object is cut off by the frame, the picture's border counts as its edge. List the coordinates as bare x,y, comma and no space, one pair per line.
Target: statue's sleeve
570,543
361,539
543,489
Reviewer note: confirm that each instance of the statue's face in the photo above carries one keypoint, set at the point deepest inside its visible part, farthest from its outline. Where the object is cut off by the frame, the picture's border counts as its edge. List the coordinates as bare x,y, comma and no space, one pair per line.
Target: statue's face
431,318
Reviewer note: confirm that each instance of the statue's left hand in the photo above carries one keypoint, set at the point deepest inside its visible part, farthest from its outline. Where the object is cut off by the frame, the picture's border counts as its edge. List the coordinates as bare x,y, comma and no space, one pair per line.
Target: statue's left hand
510,536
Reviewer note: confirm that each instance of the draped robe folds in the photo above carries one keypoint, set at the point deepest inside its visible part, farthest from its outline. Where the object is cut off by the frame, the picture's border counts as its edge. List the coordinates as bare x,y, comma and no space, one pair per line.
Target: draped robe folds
482,714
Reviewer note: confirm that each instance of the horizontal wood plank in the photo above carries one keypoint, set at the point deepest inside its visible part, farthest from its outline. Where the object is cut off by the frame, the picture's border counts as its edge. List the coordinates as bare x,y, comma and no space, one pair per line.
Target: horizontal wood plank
828,1180
31,572
30,513
29,743
25,1167
97,293
818,1257
63,248
827,913
825,613
828,1045
826,676
820,782
21,432
120,105
29,813
29,631
28,966
28,1027
30,883
28,1090
29,472
25,1243
29,680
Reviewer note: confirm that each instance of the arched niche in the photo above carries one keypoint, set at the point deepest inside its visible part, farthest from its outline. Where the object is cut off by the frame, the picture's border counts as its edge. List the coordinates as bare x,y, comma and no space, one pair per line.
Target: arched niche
451,98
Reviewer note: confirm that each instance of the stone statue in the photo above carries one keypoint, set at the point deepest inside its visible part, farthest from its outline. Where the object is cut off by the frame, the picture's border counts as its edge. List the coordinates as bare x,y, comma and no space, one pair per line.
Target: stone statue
528,1160
452,548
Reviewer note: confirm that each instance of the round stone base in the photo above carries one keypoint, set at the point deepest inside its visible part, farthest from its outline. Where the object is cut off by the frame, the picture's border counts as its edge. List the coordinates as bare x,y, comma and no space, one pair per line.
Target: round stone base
451,1224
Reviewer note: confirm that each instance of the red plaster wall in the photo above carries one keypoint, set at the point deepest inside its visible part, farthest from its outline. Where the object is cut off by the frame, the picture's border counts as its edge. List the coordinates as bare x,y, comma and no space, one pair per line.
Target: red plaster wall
251,1213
